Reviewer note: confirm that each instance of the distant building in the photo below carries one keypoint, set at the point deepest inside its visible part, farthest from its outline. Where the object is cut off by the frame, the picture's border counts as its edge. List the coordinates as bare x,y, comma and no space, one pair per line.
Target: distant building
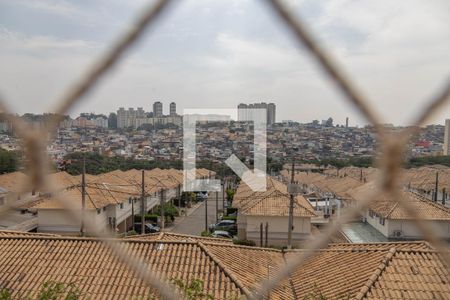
271,113
157,109
244,111
447,137
112,121
127,118
173,109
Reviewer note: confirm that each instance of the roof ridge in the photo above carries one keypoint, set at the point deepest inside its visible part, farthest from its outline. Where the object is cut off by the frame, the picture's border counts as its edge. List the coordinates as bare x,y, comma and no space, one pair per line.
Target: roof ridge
92,239
230,274
372,279
391,210
255,248
291,284
433,203
169,233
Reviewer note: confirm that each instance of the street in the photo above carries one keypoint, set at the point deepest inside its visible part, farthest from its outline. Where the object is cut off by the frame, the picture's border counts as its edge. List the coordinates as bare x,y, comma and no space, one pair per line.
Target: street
194,223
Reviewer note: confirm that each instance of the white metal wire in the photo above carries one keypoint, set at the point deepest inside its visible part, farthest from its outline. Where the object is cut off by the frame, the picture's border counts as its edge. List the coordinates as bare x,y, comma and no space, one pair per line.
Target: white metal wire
392,148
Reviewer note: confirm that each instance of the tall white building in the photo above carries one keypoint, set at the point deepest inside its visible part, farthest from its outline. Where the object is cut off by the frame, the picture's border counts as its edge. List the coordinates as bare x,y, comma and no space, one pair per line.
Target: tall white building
157,109
244,111
127,118
173,109
447,137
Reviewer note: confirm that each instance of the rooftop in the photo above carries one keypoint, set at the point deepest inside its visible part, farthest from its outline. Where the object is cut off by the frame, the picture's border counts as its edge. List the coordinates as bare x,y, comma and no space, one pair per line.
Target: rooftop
406,270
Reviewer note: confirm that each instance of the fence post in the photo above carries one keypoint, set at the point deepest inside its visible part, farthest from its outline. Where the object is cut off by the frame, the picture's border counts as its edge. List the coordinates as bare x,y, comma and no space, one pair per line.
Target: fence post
267,234
261,234
142,203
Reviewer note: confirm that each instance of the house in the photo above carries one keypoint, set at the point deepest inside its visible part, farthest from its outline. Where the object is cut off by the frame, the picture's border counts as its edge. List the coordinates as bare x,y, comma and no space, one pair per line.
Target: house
388,217
13,186
266,214
402,270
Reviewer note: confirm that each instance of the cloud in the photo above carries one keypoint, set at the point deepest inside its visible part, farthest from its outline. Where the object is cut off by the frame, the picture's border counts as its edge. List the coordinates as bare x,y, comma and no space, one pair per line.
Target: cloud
62,8
216,54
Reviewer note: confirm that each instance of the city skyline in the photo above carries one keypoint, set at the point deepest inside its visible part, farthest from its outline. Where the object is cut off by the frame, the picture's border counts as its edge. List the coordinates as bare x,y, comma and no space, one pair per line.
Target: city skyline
220,58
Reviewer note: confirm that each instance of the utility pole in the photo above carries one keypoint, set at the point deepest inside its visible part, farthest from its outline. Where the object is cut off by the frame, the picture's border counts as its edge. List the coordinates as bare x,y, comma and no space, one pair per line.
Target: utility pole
206,213
436,187
291,208
83,195
217,207
223,195
132,213
261,234
162,202
142,204
444,195
266,234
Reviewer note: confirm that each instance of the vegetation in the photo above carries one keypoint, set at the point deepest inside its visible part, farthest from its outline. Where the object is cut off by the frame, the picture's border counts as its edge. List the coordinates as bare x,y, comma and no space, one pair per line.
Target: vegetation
230,194
170,211
50,290
244,242
193,290
231,210
152,218
363,162
97,164
9,161
428,160
206,233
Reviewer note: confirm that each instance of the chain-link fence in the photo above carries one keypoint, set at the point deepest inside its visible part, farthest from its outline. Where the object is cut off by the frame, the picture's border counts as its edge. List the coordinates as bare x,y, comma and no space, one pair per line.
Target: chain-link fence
390,162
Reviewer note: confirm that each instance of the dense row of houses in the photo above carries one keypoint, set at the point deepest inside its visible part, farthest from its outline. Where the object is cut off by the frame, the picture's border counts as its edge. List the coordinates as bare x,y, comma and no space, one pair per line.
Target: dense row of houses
110,198
407,270
333,190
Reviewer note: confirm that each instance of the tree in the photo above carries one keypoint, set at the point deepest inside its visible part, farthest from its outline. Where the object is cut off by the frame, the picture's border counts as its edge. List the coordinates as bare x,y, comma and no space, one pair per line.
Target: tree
8,161
112,121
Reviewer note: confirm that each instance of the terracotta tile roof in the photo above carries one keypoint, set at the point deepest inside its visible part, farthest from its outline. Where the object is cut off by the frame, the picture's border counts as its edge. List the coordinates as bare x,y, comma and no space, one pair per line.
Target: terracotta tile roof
97,196
413,245
425,177
251,265
28,262
23,233
110,188
13,182
276,204
273,202
406,270
411,275
336,274
170,236
62,180
390,209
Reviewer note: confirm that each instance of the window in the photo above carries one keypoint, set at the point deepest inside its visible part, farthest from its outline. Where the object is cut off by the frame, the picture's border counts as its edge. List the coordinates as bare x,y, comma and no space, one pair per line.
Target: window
104,208
2,200
129,200
371,213
121,205
382,221
99,211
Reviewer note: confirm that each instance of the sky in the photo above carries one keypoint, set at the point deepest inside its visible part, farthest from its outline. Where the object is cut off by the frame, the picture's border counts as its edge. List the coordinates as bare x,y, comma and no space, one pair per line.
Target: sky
219,53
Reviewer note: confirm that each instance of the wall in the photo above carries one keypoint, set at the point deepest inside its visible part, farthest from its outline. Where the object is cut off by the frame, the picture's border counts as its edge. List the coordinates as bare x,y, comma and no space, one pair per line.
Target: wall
57,221
408,228
278,230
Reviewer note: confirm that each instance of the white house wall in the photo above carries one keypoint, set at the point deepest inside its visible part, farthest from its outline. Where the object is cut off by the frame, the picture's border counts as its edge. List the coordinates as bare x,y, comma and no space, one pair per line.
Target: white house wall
278,229
407,227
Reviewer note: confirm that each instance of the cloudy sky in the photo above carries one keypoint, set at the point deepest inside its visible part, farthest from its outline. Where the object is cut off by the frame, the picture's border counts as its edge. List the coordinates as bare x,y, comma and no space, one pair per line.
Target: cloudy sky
218,53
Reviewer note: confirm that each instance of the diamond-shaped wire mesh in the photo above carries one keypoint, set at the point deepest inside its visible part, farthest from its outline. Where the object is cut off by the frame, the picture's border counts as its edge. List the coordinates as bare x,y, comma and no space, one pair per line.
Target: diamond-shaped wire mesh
392,147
